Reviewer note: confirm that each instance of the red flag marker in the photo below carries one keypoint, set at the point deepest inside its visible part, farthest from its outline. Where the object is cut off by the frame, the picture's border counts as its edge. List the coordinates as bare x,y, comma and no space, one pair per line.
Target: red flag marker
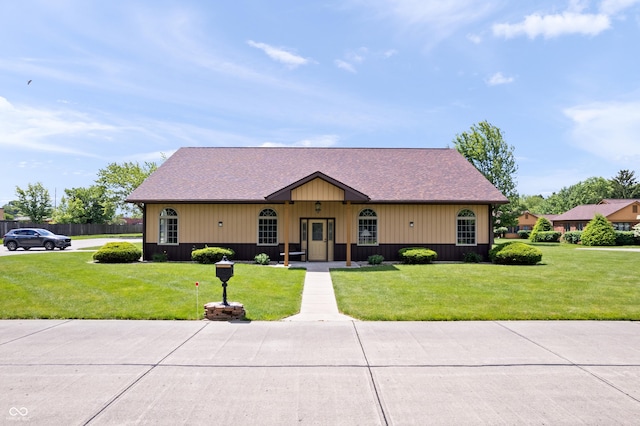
197,283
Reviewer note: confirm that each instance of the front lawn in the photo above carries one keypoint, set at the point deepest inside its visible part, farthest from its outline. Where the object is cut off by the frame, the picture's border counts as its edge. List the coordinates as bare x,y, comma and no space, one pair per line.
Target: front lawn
70,285
570,284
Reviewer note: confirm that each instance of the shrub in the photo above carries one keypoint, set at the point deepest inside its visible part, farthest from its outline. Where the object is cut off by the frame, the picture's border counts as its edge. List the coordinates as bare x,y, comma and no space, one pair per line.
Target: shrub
160,257
548,236
472,257
375,259
417,255
262,259
625,238
211,254
515,253
542,225
572,237
599,232
524,234
117,252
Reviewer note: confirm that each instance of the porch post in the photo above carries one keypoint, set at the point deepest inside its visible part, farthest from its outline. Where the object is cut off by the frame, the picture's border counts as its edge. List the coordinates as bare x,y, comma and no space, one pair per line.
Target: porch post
286,233
348,227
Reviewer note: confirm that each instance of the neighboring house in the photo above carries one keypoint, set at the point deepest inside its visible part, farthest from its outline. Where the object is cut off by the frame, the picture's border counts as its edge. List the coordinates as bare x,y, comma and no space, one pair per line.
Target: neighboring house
623,214
527,220
339,204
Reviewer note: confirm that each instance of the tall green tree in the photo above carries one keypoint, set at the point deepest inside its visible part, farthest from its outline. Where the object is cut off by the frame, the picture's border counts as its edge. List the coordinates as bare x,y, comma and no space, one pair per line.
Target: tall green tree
483,145
119,180
85,205
625,185
11,210
34,202
590,191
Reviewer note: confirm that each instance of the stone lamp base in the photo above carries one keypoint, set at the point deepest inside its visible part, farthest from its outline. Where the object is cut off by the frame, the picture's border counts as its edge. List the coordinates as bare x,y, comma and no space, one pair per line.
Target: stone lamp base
216,311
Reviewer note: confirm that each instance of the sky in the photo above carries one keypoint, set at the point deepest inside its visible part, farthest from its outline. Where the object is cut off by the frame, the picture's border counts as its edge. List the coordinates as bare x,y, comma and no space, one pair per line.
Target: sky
86,83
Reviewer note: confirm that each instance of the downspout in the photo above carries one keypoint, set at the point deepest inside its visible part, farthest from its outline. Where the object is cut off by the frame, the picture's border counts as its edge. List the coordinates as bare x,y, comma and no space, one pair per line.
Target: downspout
286,233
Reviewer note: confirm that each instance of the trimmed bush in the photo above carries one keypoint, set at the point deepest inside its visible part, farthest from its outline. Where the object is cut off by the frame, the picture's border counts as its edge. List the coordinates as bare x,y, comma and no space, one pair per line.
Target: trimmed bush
417,255
117,252
572,237
262,259
542,225
548,236
501,231
524,234
599,232
375,259
625,238
209,255
515,253
472,257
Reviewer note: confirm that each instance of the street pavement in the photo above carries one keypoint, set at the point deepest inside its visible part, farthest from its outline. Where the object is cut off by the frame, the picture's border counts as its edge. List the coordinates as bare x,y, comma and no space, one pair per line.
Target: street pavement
65,372
75,246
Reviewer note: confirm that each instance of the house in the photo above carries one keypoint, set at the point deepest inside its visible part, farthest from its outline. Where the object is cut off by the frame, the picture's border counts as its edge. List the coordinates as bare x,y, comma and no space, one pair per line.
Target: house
322,204
623,214
527,220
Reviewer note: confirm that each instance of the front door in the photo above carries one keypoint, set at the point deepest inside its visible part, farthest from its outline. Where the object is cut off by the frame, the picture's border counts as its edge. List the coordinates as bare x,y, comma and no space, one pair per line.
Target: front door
318,241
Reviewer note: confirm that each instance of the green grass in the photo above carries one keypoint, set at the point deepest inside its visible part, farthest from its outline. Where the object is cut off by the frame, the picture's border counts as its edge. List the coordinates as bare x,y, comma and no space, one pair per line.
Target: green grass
70,285
569,284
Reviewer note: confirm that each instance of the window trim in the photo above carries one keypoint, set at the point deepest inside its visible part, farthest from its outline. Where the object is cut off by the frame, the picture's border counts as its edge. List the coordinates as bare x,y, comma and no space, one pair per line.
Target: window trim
265,217
460,218
373,218
165,218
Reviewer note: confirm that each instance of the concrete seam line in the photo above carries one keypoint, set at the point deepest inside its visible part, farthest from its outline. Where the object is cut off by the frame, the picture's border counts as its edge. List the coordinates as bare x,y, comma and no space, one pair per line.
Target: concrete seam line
142,376
579,366
36,332
373,381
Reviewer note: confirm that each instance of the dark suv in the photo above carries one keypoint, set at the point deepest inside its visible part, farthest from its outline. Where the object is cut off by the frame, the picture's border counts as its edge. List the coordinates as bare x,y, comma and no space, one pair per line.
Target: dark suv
34,237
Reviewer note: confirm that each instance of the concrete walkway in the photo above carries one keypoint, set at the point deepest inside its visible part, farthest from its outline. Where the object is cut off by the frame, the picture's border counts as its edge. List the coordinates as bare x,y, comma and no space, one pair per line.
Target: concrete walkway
318,297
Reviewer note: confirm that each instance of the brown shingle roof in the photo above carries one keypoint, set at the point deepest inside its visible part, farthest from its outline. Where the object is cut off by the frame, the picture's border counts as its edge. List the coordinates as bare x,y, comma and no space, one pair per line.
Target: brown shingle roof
586,212
251,174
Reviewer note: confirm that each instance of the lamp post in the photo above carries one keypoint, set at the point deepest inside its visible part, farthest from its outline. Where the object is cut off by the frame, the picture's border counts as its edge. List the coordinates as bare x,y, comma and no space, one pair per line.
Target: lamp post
224,272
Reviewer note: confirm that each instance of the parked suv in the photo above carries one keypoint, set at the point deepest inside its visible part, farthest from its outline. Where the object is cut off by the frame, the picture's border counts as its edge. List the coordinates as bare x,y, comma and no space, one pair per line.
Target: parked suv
34,237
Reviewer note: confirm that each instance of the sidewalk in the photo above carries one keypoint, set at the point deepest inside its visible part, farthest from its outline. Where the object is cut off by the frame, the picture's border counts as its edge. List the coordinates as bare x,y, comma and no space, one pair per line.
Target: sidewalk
318,297
312,372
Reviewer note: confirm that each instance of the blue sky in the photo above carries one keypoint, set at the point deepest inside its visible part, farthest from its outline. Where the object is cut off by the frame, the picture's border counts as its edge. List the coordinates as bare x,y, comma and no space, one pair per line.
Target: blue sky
128,80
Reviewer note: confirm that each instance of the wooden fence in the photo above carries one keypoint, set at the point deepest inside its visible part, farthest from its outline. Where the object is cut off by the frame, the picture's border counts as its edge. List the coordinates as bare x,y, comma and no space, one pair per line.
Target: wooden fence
72,229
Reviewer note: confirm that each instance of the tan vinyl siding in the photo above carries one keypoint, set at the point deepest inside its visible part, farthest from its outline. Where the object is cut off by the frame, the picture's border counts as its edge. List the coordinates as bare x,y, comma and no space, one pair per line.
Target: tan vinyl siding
625,215
317,190
436,224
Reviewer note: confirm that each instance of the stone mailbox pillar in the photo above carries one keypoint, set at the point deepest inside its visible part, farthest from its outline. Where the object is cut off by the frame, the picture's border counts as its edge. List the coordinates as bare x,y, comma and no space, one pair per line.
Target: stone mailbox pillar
224,311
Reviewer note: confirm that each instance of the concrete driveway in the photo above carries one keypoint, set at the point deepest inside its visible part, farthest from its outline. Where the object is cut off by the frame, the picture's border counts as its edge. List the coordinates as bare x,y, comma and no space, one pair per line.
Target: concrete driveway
319,373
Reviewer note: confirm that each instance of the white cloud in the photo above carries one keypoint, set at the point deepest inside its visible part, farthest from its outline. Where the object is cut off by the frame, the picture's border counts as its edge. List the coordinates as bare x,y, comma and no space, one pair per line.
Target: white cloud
498,79
549,26
612,7
607,129
279,54
474,38
47,130
345,65
389,53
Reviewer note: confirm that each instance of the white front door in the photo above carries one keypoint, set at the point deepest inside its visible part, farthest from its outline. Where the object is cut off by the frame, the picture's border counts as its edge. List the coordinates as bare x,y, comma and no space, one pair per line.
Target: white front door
318,241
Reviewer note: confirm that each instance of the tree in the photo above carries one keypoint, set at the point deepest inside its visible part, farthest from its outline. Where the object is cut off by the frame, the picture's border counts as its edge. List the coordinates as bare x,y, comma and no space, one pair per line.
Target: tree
119,180
85,205
542,225
34,202
532,203
11,210
485,148
624,185
598,232
590,191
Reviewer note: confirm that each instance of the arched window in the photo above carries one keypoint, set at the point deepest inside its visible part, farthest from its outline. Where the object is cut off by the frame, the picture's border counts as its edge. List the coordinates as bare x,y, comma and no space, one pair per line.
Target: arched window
268,228
466,228
168,226
367,228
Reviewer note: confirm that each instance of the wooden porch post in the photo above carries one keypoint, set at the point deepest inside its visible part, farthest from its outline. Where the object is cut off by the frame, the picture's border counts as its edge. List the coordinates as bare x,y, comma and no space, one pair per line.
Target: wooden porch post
286,233
348,220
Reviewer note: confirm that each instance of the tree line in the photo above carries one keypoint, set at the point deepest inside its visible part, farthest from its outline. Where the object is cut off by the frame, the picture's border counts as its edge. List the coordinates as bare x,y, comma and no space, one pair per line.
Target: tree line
101,203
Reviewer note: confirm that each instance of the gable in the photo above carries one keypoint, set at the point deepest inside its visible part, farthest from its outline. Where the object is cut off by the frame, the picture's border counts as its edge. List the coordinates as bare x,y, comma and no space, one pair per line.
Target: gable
318,189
